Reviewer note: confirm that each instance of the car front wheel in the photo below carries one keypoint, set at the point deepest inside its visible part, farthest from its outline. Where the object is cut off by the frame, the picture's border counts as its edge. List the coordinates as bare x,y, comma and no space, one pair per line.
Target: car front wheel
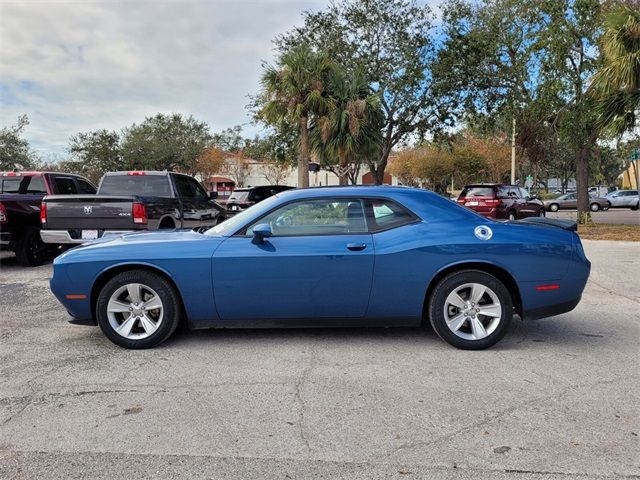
470,309
594,207
138,309
554,207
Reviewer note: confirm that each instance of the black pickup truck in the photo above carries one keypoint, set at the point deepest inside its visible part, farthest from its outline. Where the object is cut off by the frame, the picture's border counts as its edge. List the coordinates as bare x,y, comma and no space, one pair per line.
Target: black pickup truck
126,202
21,194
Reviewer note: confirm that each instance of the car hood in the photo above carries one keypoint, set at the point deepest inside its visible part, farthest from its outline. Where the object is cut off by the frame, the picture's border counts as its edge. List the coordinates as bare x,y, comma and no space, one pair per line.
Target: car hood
139,243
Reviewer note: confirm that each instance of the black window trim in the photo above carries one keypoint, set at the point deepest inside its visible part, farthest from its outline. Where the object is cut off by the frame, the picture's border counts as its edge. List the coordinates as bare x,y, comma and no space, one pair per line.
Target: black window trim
241,232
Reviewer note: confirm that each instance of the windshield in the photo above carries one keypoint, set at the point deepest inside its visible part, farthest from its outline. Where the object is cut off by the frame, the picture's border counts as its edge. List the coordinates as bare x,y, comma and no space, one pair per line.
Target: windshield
230,226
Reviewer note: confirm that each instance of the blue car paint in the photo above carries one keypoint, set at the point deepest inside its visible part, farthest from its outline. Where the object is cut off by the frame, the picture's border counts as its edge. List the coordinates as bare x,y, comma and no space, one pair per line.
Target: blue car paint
225,279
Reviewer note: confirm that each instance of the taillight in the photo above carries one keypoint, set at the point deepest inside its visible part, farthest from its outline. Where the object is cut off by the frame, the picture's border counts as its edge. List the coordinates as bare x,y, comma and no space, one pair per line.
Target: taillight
493,202
3,213
135,172
139,213
43,213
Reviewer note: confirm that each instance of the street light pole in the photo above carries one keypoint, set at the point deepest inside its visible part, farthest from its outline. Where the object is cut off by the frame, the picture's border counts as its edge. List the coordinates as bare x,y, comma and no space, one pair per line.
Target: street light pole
513,151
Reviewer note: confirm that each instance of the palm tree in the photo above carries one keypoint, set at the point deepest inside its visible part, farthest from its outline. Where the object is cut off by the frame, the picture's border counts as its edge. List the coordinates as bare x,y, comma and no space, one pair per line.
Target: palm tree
617,84
350,130
293,92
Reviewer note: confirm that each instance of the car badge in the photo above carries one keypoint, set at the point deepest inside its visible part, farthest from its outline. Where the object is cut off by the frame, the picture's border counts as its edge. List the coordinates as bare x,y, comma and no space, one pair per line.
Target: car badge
88,210
483,232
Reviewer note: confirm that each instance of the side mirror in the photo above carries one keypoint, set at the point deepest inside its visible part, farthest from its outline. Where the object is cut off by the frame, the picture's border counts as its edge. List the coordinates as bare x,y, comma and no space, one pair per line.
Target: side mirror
213,195
260,232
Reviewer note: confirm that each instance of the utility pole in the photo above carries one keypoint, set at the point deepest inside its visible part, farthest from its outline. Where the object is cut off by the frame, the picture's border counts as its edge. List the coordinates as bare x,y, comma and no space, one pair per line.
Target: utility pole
513,151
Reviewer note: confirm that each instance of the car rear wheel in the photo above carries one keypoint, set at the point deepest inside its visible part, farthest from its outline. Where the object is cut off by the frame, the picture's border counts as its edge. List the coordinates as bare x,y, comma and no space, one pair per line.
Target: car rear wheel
594,207
31,250
554,207
138,309
470,309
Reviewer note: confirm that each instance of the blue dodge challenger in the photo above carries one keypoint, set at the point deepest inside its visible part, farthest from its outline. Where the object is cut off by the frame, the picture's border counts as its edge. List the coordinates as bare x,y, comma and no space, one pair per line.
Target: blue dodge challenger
345,256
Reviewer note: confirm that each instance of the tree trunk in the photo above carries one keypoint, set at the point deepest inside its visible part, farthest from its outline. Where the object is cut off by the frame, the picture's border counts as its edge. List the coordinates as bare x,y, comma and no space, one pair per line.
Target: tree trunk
582,178
303,154
378,170
343,163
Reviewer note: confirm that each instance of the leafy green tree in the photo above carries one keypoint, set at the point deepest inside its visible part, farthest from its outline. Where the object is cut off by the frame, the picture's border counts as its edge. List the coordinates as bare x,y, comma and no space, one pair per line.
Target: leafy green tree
617,84
94,153
15,153
350,129
390,43
165,142
293,92
229,140
569,59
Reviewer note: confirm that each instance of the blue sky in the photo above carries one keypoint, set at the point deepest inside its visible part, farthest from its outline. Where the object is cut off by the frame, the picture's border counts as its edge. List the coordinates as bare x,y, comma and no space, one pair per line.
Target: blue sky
75,66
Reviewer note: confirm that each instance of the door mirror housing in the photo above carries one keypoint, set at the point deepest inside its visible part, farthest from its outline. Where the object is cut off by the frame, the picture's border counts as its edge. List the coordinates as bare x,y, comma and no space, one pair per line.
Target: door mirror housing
260,232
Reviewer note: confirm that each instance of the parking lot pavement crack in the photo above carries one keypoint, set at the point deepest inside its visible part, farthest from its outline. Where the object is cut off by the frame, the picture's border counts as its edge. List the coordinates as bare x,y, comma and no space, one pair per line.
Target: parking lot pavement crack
612,292
299,398
502,413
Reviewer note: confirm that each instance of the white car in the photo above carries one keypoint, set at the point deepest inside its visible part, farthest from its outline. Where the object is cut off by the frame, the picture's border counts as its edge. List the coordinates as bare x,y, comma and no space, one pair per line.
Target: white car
624,199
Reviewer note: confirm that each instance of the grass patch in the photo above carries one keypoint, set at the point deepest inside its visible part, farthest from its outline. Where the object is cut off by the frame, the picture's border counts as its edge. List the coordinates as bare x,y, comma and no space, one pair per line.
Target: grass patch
604,231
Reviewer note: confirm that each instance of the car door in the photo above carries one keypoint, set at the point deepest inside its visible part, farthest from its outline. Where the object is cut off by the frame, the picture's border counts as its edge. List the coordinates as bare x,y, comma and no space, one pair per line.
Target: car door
317,264
571,201
197,208
528,207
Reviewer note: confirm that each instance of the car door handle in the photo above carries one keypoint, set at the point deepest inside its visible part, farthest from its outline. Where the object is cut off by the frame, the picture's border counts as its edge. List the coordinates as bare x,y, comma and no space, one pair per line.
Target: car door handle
356,247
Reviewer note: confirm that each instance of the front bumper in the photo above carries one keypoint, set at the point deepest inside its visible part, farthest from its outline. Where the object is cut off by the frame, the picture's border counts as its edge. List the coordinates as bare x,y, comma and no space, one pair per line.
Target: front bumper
81,321
61,237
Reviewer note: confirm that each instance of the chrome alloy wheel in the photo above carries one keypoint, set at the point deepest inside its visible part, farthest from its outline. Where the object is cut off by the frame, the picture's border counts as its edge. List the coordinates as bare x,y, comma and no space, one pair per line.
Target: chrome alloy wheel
135,311
472,311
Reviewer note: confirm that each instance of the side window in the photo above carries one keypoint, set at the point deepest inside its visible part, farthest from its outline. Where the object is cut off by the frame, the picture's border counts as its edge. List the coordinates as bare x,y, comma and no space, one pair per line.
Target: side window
65,186
524,193
514,193
385,214
316,217
85,187
36,186
188,187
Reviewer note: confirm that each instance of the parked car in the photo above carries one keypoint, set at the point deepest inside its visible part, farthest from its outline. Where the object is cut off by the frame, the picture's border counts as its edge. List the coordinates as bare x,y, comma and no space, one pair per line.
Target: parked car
624,199
129,201
598,191
569,201
243,198
21,194
499,201
346,256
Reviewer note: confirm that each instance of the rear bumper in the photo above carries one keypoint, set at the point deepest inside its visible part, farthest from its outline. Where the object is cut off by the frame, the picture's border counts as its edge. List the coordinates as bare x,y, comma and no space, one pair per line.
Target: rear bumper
551,310
5,239
61,237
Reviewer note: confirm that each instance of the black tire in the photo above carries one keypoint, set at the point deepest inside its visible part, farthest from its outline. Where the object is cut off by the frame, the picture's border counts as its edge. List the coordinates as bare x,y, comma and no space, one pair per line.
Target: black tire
594,207
30,249
512,215
171,308
554,207
636,207
438,302
542,213
167,224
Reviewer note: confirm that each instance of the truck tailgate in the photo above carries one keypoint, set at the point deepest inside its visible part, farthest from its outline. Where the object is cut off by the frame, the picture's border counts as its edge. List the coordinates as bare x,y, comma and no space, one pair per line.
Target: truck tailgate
99,212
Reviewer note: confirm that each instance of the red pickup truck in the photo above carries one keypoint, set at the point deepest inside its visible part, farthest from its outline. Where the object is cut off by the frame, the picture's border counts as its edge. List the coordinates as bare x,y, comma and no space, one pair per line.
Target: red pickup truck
21,195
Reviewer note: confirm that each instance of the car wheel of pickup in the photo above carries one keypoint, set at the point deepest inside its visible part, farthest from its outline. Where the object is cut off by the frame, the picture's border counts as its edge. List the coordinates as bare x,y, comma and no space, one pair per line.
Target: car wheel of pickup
138,309
31,250
470,309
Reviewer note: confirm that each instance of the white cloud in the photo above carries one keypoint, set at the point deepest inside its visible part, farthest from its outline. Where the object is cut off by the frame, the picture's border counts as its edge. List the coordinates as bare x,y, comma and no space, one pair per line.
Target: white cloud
75,66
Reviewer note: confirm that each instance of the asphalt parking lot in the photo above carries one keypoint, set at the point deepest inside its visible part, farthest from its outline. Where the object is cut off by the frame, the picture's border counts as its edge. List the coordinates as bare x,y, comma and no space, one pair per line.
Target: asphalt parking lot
557,398
614,216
